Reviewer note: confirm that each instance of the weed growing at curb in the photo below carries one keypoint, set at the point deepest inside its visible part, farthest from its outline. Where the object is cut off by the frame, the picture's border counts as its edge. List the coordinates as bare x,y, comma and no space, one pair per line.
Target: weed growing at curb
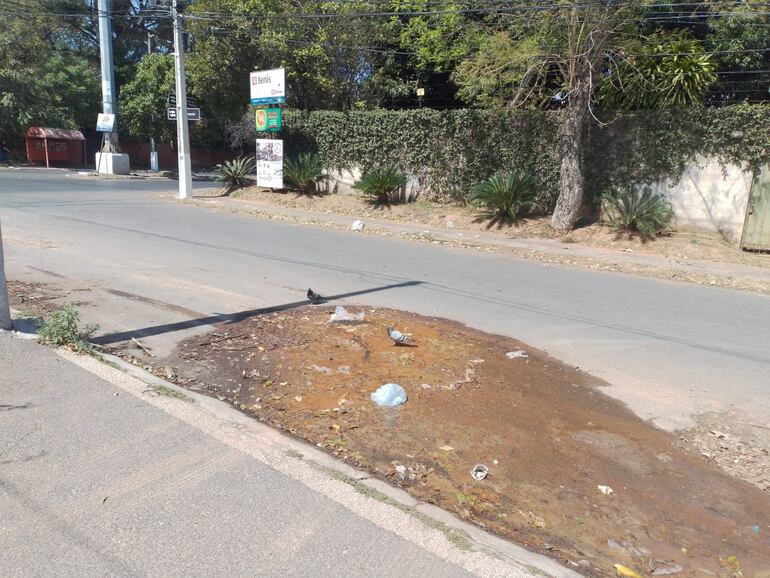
458,538
60,329
167,392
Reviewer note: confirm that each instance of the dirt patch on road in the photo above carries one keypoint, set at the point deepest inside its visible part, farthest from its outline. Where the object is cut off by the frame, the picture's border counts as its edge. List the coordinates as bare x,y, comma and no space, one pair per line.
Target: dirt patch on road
572,473
32,299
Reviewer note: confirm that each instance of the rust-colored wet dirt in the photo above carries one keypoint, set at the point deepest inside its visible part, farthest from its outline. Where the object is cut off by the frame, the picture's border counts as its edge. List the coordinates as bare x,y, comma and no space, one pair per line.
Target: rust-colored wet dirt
572,473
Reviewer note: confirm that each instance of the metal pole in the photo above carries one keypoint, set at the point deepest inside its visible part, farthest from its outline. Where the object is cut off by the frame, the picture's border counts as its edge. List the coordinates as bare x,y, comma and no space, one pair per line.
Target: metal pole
109,105
5,307
182,125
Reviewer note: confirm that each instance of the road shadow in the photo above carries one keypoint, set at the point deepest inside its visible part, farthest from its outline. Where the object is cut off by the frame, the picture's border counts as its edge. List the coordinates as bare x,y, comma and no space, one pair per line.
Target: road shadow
112,338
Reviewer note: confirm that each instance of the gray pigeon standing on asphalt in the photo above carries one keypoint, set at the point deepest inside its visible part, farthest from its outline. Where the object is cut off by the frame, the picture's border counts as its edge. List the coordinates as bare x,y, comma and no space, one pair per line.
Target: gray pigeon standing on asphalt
314,297
398,337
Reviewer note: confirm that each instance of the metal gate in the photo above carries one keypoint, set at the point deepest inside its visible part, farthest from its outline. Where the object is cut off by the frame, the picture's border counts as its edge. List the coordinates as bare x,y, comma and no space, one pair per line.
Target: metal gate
756,230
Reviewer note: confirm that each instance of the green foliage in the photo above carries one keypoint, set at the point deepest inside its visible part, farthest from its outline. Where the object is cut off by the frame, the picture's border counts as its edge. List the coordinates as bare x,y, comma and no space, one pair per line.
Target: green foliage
505,196
664,70
144,100
43,82
236,173
60,329
446,152
304,172
380,184
638,210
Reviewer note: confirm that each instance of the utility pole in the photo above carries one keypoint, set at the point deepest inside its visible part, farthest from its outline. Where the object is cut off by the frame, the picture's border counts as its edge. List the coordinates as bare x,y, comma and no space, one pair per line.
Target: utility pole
182,124
108,71
5,308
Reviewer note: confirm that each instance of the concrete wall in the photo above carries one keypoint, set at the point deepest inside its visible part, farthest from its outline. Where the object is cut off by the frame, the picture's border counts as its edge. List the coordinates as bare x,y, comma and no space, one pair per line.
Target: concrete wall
710,197
341,182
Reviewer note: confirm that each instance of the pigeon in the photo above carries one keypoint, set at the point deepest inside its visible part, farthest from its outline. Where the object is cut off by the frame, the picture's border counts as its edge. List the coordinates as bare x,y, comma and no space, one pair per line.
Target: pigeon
398,337
314,297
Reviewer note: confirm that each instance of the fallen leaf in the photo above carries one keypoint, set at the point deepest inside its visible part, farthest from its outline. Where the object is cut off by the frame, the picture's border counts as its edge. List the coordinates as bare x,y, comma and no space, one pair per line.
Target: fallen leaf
623,571
447,448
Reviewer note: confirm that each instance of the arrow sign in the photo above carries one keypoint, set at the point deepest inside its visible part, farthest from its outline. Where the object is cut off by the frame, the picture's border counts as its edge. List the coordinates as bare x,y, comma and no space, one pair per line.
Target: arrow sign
190,101
192,114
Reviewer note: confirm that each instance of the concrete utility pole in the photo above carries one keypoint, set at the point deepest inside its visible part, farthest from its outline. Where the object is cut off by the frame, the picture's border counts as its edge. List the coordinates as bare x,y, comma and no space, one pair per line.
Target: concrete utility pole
5,308
109,105
182,124
109,159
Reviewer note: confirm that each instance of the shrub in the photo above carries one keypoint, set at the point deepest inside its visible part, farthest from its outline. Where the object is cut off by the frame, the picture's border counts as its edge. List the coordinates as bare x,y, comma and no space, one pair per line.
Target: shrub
641,211
60,329
236,173
503,197
304,172
380,184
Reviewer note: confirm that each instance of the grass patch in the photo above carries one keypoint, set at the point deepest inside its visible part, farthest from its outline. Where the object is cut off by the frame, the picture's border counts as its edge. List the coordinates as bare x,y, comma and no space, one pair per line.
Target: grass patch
167,392
60,328
295,454
458,538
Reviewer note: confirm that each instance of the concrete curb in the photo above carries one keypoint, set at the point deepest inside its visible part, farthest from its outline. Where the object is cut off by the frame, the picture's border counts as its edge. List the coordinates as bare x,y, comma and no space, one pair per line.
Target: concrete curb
460,542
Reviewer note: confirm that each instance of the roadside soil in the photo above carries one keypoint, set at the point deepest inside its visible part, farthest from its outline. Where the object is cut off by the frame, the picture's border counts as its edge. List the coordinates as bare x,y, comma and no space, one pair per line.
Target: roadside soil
32,299
572,473
677,245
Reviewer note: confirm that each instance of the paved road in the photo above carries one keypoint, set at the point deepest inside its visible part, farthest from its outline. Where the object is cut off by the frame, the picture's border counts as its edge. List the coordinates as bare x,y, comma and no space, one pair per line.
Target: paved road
152,268
95,482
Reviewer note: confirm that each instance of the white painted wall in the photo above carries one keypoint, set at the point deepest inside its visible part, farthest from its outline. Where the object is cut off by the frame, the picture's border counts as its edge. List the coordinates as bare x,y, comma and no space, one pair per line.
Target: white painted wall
710,197
341,182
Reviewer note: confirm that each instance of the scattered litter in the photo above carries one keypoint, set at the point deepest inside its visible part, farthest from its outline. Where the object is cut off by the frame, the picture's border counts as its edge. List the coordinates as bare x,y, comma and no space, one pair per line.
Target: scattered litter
720,435
321,369
614,544
623,571
516,354
450,225
666,568
476,361
628,250
142,347
400,469
297,398
534,519
479,472
606,490
755,529
496,462
344,369
731,563
426,386
447,448
389,395
341,315
357,226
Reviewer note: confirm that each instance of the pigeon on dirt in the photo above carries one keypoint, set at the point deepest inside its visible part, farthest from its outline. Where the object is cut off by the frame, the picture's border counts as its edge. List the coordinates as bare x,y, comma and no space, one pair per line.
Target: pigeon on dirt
314,297
397,337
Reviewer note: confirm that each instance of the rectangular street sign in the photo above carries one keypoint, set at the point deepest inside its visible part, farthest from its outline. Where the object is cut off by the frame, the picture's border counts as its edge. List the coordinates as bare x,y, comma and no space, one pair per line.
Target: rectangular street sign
270,163
105,122
268,86
268,119
192,114
190,101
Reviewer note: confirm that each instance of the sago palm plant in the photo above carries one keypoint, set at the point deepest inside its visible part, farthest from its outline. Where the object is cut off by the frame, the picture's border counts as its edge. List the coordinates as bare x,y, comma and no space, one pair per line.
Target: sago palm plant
304,172
503,197
641,211
236,173
380,184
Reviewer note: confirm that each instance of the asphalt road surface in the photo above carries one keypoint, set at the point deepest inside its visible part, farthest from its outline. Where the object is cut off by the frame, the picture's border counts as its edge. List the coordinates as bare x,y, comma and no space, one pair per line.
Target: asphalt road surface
146,266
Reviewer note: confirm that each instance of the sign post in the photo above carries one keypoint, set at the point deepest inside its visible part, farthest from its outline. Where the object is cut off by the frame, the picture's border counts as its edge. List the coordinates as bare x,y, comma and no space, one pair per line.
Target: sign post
270,163
268,86
268,119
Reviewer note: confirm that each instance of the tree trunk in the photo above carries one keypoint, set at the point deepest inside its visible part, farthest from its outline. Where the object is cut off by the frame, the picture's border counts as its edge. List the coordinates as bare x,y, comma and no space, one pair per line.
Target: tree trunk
571,179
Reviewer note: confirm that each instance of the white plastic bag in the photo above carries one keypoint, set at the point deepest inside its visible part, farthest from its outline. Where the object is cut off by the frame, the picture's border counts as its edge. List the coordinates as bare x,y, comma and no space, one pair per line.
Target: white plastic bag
389,395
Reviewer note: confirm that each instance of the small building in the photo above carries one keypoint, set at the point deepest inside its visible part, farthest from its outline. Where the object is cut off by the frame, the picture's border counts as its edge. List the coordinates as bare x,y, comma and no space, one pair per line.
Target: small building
55,146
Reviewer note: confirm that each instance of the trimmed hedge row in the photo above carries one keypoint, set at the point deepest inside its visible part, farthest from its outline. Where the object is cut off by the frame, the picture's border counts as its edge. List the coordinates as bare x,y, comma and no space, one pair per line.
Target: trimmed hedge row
451,151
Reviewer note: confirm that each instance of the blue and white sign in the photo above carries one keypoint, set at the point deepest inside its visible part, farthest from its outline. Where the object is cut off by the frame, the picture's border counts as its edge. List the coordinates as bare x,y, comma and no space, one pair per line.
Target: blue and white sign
268,86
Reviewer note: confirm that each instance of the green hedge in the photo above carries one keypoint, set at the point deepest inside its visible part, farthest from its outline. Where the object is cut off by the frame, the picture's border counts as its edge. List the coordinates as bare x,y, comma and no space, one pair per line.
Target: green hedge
450,151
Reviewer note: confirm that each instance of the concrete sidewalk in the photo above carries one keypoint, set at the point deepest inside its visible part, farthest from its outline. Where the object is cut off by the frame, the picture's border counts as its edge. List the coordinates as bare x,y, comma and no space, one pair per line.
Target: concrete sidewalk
99,479
555,251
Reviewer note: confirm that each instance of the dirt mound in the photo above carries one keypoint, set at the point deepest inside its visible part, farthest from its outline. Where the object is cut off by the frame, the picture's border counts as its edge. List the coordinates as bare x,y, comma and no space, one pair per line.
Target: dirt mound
572,473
